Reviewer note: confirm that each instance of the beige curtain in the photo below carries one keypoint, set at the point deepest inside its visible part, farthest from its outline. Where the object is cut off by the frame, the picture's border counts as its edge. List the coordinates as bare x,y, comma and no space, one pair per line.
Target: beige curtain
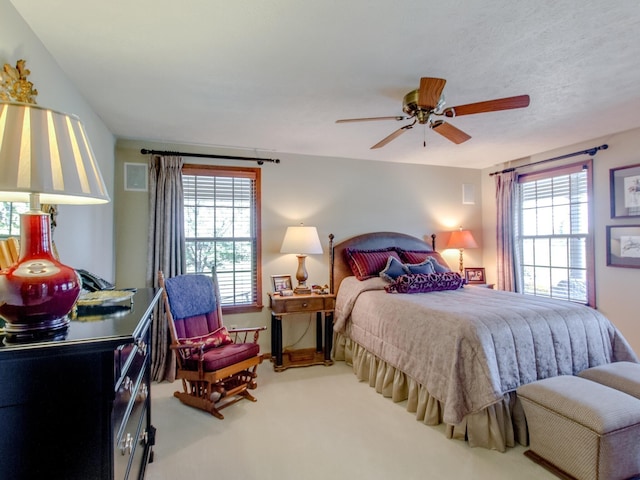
166,250
505,193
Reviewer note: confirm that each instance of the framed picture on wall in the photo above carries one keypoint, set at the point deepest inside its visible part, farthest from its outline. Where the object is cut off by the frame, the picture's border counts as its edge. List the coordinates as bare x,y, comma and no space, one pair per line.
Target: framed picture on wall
475,275
625,191
623,246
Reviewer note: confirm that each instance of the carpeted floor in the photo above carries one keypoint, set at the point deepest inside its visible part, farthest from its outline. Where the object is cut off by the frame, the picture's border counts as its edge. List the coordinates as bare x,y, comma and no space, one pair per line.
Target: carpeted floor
315,423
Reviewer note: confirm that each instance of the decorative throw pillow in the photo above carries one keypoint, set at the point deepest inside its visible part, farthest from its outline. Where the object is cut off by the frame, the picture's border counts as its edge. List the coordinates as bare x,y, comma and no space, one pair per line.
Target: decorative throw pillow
419,256
424,267
422,283
394,269
214,339
369,263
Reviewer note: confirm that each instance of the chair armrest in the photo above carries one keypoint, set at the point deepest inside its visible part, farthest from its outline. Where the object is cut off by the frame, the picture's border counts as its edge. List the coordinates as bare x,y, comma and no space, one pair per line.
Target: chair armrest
185,351
242,333
246,329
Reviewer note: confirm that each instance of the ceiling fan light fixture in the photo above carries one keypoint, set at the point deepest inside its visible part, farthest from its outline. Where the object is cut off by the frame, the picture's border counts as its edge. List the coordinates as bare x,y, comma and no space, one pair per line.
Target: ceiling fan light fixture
429,100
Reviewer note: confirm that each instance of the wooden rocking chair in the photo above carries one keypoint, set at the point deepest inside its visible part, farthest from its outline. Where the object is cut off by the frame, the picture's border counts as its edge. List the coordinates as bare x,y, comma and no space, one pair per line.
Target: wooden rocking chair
217,366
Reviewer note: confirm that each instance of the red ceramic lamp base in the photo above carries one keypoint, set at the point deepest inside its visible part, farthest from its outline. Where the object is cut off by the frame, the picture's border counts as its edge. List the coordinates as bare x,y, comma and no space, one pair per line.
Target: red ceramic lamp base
38,292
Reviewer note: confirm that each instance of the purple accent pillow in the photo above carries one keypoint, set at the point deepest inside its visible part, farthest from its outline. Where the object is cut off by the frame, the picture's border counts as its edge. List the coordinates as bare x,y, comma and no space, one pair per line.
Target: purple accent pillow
425,282
419,256
369,263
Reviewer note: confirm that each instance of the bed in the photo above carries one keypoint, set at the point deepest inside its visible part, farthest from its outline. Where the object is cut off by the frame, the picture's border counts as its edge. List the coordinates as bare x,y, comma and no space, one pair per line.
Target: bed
457,355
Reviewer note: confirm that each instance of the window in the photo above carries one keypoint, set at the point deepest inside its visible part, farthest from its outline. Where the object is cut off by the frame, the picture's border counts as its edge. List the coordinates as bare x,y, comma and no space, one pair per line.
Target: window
222,230
555,246
10,218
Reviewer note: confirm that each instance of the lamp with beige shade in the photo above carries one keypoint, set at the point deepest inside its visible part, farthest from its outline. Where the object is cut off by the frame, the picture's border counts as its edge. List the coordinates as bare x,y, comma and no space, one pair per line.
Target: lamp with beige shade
301,240
461,239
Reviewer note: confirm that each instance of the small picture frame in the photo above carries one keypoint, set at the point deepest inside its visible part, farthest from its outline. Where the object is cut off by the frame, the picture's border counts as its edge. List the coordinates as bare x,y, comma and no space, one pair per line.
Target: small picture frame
135,177
625,191
623,246
475,275
281,283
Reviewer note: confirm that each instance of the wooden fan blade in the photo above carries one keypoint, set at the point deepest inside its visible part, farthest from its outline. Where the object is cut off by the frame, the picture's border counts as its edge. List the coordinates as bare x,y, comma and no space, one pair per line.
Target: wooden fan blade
371,119
393,136
430,92
450,132
508,103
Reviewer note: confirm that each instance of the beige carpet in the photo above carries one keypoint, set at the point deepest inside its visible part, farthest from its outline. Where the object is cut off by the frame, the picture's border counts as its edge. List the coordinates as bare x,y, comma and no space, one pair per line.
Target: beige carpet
315,423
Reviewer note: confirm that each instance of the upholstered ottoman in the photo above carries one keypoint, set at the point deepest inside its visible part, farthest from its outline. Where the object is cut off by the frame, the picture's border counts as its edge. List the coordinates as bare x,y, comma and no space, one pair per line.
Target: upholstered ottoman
623,376
582,428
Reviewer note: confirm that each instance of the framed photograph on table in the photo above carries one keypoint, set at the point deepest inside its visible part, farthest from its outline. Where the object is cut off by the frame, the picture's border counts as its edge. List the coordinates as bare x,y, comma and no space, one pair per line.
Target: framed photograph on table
623,246
475,275
281,282
625,191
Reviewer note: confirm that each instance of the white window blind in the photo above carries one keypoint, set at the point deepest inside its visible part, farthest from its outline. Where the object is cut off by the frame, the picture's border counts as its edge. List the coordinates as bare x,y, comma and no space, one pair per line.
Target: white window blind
221,230
555,247
10,218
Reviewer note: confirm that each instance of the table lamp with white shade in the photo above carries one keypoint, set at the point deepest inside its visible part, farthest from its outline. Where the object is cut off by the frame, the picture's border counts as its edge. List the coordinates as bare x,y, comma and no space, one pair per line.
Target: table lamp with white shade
301,240
45,157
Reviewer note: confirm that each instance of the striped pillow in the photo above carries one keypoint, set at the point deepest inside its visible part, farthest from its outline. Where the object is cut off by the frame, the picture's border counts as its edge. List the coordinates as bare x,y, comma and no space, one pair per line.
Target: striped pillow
369,263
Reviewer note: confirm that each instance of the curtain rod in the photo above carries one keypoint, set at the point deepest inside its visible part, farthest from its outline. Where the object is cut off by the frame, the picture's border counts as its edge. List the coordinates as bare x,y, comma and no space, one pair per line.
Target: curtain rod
590,151
260,161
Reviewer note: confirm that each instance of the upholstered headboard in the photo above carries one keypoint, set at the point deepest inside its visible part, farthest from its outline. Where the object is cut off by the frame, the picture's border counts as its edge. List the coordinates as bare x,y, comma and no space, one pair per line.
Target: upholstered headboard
369,241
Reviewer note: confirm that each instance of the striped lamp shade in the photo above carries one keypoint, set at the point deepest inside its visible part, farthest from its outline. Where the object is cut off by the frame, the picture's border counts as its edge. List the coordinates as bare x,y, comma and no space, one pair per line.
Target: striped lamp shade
47,153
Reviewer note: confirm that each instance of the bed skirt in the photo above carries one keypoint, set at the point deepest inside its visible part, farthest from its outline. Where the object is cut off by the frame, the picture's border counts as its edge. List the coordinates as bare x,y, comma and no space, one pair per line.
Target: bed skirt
496,427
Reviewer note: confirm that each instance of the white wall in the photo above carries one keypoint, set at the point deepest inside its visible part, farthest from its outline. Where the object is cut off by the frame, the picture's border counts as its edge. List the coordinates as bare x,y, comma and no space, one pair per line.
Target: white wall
616,288
84,236
339,196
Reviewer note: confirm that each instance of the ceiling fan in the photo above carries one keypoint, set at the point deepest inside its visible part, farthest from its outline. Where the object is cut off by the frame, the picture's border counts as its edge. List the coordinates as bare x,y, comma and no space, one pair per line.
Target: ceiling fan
428,101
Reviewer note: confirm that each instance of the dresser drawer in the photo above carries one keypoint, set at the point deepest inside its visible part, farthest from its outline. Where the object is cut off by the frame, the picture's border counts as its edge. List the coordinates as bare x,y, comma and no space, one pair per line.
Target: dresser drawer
129,388
133,432
124,353
138,458
129,383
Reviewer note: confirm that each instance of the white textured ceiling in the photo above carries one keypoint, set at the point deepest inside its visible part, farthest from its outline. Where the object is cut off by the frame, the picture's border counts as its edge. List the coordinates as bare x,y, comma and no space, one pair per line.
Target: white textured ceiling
274,75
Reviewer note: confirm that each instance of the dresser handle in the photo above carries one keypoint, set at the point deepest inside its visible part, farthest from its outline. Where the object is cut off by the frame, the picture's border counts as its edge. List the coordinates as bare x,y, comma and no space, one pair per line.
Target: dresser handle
144,437
127,384
305,305
127,445
142,347
143,392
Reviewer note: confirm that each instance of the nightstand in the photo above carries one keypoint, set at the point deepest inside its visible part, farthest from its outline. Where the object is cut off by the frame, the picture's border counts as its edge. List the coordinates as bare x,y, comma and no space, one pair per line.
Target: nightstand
283,307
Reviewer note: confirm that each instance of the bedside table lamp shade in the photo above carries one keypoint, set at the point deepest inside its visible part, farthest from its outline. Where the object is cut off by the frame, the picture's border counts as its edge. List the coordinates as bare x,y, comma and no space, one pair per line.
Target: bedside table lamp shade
45,157
461,239
301,240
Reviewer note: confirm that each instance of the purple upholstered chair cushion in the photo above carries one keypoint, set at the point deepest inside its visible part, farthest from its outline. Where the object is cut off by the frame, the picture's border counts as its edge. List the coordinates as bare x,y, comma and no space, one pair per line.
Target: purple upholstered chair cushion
224,356
192,299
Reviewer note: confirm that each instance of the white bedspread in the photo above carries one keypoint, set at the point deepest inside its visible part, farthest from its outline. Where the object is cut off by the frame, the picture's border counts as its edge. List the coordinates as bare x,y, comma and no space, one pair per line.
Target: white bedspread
470,346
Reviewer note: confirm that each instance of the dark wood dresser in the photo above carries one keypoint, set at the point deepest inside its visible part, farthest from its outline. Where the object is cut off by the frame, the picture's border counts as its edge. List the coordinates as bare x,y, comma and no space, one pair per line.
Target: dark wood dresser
78,406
